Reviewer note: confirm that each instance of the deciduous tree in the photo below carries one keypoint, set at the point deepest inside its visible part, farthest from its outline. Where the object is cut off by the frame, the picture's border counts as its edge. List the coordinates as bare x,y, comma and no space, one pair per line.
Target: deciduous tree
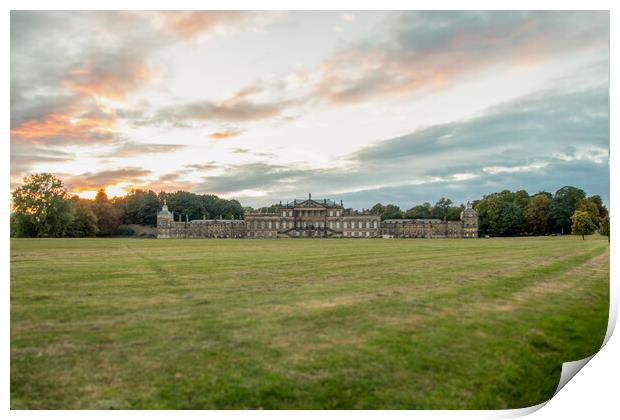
582,223
563,206
108,218
41,206
84,222
536,214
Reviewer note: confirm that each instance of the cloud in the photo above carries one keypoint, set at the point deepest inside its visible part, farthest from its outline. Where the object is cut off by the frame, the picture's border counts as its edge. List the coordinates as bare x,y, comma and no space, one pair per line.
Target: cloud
57,86
101,55
432,49
93,180
250,176
547,122
25,157
193,24
207,166
67,128
130,149
227,111
225,134
110,75
586,174
421,52
542,141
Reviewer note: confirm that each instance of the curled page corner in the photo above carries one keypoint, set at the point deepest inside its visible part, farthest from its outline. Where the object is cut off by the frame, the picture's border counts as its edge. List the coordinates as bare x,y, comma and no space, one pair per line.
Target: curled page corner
569,370
520,412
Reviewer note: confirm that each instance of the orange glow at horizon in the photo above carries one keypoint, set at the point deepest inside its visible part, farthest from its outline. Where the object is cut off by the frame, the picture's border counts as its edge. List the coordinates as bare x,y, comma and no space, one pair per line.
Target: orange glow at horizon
111,190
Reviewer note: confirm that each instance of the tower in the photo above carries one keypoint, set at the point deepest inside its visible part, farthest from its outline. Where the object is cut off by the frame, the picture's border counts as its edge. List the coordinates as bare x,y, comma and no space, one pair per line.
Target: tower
164,222
469,219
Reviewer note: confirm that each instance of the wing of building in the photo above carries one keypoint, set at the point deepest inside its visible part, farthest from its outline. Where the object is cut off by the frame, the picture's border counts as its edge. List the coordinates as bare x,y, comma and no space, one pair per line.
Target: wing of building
315,219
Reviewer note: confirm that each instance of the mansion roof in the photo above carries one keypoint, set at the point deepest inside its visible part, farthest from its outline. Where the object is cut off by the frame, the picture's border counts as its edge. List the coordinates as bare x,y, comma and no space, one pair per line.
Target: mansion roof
310,204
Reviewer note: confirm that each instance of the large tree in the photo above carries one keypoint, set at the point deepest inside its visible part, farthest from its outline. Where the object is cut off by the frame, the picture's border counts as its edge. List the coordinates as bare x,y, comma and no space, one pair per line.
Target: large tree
598,201
392,211
582,224
489,211
108,218
84,222
511,220
41,207
421,211
441,208
536,214
378,209
563,206
139,207
591,208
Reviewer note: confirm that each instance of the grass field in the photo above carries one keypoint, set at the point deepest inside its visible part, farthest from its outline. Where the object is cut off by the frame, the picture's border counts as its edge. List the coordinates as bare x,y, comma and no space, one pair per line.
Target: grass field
129,323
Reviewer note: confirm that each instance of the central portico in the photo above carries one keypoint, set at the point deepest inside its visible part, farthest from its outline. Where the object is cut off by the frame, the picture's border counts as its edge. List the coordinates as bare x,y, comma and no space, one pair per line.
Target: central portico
311,218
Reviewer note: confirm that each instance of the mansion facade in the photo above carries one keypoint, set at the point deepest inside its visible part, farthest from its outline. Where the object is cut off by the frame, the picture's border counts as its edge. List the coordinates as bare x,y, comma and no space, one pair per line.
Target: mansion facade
315,219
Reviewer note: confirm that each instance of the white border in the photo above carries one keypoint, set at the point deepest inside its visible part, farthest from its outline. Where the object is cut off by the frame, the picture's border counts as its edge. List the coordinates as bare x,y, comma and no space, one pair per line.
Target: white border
592,393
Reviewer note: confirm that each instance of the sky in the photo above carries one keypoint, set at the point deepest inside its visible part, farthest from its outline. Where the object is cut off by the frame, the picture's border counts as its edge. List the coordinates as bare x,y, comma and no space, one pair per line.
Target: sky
372,106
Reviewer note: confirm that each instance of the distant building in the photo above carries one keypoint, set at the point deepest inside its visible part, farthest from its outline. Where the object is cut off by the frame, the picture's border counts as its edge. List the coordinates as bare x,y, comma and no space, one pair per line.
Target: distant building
467,227
315,219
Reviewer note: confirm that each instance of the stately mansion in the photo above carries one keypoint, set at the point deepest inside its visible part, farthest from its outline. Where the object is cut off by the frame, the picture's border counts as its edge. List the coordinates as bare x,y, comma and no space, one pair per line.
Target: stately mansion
315,219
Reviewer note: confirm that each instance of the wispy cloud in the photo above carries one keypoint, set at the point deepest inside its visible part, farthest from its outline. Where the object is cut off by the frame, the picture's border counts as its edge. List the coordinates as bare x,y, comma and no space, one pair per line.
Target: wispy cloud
225,134
130,149
93,180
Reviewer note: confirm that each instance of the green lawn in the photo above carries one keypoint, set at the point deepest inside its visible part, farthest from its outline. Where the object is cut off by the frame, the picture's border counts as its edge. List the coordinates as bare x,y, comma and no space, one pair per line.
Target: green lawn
130,323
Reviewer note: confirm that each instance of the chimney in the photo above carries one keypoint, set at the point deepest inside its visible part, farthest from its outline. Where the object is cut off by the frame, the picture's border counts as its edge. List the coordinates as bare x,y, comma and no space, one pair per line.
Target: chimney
309,196
341,204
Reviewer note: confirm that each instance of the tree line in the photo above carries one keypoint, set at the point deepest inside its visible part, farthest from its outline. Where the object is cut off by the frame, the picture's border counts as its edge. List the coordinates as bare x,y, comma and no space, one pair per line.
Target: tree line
442,209
43,208
508,213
